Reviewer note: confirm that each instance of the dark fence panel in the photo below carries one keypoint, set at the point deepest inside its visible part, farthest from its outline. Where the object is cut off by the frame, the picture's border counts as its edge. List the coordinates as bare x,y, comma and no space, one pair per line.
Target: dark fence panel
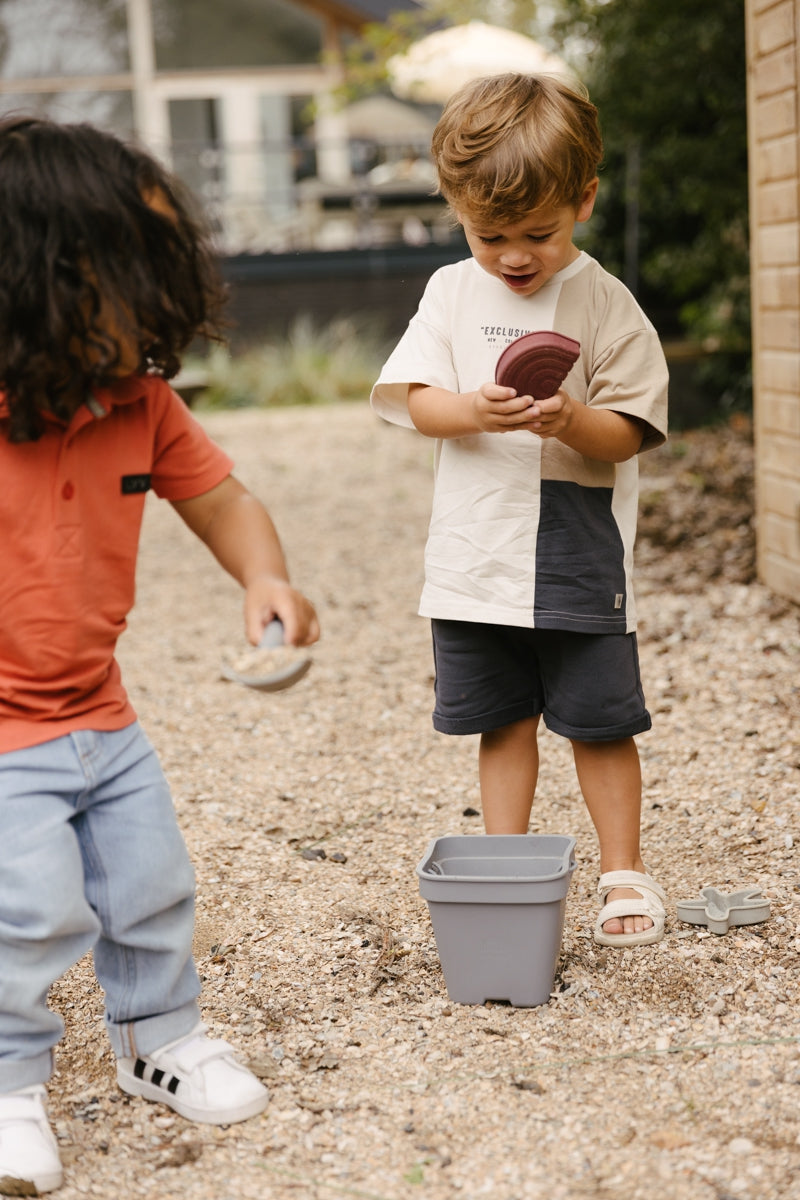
380,284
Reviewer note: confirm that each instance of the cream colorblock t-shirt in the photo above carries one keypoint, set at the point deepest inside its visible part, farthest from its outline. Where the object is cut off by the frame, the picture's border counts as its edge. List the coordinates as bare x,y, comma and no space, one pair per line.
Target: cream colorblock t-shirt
525,531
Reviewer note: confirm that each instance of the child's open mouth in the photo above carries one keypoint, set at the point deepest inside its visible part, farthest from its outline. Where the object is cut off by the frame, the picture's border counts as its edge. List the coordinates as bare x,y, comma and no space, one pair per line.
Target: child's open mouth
518,281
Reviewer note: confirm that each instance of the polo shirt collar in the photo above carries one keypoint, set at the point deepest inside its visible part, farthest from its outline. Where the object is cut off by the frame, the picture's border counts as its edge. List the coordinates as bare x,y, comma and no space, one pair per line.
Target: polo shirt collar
99,403
125,391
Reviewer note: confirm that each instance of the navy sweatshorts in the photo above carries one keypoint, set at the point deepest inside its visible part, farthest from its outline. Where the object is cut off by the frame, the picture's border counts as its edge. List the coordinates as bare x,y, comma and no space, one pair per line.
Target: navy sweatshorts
586,686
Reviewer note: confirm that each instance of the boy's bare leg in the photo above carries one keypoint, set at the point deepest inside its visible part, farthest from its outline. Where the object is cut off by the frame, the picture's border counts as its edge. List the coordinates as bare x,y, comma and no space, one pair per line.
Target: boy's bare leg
508,765
611,782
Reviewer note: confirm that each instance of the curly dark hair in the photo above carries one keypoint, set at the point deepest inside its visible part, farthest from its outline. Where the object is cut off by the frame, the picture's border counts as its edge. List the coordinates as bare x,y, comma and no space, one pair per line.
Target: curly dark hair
77,238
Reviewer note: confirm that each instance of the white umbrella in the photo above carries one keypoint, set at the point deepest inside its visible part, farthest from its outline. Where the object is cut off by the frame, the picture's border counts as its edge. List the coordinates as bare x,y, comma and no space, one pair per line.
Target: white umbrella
381,118
437,65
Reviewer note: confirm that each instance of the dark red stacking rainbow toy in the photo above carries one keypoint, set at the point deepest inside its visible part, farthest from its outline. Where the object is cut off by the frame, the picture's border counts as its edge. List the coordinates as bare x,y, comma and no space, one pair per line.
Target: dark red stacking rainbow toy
536,364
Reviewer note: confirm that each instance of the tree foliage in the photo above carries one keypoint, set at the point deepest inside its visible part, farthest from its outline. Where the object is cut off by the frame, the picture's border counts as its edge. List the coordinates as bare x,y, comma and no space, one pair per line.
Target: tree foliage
670,84
366,57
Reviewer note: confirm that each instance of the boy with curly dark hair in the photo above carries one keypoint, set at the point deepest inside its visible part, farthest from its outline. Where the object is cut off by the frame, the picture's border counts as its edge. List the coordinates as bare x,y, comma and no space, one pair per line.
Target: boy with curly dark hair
105,278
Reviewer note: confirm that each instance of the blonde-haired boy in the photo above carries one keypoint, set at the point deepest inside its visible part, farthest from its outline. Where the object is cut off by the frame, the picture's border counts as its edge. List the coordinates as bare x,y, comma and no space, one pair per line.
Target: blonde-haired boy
528,564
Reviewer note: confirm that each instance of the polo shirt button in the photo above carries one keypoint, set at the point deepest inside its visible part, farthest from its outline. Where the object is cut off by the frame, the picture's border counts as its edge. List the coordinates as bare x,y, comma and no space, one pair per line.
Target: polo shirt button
68,490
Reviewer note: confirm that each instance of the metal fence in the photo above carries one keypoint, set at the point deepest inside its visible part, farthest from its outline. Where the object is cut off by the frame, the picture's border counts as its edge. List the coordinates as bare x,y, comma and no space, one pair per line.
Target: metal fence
267,197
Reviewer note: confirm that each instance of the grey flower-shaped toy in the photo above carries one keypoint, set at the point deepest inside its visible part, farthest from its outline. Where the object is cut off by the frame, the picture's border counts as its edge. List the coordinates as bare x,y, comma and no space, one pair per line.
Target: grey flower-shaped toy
720,910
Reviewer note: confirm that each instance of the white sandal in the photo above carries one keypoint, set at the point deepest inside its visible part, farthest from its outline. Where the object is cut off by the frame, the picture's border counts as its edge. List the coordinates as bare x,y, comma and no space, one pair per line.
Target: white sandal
653,899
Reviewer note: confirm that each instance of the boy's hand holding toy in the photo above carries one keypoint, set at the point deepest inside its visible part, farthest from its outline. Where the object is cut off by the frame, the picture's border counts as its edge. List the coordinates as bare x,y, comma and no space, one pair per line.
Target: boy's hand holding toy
534,366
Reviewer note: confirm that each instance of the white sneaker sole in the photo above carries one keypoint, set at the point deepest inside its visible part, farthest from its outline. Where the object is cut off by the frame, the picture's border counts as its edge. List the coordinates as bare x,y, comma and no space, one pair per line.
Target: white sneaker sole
208,1116
11,1185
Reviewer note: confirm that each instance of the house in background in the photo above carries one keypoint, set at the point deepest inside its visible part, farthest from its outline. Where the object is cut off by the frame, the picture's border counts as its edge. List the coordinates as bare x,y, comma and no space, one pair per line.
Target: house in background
236,97
773,50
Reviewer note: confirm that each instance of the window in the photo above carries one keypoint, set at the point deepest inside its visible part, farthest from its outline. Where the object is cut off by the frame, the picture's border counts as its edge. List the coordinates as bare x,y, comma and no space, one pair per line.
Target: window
207,34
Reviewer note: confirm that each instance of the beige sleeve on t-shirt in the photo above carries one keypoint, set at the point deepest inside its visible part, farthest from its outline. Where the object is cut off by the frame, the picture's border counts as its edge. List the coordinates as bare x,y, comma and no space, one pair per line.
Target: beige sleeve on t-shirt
622,365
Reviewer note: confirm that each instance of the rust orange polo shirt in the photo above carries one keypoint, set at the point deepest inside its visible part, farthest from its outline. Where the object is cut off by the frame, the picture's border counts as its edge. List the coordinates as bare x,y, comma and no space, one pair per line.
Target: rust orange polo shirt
71,508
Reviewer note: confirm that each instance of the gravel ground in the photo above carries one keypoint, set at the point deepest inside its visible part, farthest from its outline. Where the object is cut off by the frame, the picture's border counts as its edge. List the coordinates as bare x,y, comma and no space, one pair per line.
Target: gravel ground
669,1071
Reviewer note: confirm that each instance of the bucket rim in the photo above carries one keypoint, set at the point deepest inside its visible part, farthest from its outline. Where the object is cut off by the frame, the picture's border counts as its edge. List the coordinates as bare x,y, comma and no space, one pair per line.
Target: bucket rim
565,860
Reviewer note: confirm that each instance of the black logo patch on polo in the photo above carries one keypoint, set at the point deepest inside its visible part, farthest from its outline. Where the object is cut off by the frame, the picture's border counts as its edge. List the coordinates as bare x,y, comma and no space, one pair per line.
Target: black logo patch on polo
132,485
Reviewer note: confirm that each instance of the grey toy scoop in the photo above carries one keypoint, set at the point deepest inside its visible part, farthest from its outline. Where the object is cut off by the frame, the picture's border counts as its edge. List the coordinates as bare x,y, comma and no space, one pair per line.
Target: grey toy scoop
265,672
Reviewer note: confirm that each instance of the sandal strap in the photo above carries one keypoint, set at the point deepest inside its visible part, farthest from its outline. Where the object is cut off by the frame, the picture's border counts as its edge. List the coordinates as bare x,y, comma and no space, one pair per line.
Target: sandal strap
632,908
631,879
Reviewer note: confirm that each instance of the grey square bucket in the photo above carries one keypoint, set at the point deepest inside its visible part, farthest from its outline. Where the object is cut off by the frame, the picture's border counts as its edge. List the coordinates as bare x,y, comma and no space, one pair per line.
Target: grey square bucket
496,903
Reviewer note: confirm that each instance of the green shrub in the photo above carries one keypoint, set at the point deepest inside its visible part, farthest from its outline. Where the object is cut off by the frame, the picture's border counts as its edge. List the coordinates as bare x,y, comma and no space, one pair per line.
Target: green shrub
307,365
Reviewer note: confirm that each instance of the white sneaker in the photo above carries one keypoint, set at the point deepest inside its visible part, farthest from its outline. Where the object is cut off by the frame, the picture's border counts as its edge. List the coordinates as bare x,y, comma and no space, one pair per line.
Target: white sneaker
29,1160
197,1077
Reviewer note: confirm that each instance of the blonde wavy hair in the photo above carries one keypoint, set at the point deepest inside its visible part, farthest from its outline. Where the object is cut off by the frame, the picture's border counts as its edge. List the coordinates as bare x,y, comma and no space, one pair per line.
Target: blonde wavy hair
507,145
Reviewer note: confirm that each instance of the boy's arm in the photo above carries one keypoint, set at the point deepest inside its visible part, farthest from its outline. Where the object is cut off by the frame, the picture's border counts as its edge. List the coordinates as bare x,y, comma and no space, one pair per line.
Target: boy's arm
598,433
239,532
491,409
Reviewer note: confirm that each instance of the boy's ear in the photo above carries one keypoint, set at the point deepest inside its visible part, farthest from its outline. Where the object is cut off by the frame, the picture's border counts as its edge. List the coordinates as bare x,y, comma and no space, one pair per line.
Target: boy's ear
586,202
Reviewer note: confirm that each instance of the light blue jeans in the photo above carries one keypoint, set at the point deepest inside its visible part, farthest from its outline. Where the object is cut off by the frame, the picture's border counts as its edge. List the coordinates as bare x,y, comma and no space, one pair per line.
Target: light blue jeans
91,857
